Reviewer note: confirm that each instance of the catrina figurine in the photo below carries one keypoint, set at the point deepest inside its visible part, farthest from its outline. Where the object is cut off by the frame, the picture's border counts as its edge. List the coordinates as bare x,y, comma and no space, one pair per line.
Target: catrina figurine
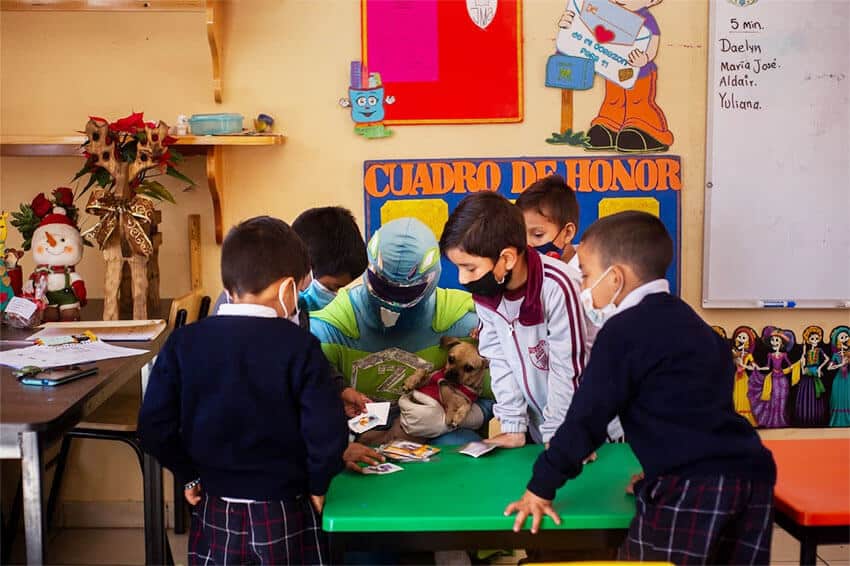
743,345
769,394
839,402
810,405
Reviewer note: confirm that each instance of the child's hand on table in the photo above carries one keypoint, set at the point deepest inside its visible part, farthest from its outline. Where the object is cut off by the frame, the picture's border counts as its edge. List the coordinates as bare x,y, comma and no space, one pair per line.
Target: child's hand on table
635,478
507,440
354,401
357,453
193,494
534,506
318,502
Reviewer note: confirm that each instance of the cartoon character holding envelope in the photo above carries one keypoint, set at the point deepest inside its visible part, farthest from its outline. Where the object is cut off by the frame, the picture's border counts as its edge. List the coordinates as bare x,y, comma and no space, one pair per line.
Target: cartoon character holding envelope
622,38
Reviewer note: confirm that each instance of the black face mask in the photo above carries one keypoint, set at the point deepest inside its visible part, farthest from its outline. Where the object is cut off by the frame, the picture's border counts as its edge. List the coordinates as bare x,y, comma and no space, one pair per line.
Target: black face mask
486,285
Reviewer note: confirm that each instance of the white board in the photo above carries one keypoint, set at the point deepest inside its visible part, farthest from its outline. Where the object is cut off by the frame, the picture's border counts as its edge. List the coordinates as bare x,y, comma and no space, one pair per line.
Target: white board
777,205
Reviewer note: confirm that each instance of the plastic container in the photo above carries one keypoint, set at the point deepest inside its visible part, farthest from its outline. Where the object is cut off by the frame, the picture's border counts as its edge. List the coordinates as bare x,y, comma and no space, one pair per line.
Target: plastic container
215,124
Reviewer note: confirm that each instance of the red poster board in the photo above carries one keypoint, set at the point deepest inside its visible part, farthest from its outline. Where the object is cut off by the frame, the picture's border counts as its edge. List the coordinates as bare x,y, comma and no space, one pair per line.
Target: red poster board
442,67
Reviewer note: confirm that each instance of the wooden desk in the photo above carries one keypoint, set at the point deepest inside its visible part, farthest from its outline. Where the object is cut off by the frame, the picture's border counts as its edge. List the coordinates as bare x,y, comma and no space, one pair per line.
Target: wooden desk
31,417
812,495
457,502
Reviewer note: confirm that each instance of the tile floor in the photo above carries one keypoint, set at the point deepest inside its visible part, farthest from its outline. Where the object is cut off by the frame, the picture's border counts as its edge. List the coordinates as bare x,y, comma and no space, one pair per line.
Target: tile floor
125,546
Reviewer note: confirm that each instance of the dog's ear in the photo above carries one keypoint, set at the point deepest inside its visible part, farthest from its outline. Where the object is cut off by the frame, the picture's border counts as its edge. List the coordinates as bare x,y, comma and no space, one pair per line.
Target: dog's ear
448,342
485,363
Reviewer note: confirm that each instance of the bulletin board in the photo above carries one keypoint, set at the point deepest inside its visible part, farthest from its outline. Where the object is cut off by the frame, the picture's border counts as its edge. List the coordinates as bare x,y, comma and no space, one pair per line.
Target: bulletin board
429,189
446,61
777,204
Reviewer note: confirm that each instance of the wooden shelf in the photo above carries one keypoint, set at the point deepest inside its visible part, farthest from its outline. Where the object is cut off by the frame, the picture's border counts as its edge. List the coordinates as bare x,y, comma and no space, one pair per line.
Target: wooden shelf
213,9
210,146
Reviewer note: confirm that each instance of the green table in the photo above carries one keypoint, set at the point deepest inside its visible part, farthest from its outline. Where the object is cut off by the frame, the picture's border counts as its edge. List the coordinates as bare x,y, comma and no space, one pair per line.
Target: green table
457,502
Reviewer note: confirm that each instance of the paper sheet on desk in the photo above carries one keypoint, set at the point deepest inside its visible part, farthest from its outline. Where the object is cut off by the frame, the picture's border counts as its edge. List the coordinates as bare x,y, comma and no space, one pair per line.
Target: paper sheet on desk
68,354
109,330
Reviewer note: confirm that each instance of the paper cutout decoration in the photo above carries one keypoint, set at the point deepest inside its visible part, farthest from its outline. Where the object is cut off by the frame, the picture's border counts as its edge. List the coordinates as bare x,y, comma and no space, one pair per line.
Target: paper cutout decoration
744,343
810,401
482,12
622,44
839,400
760,370
366,100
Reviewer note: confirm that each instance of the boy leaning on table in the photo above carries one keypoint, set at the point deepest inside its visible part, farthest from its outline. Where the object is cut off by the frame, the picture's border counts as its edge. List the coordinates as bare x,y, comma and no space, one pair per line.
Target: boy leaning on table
244,403
707,490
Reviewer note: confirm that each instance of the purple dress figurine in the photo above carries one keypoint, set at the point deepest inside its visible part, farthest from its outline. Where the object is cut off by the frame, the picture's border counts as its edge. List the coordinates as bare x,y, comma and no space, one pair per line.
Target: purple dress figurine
810,406
769,395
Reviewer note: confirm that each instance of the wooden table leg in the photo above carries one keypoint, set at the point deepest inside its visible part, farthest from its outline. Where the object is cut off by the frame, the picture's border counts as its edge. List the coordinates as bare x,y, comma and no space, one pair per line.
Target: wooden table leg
32,472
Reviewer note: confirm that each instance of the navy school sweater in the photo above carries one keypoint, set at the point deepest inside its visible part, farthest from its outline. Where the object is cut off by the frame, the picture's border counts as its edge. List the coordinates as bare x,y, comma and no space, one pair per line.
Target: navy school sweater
669,377
246,404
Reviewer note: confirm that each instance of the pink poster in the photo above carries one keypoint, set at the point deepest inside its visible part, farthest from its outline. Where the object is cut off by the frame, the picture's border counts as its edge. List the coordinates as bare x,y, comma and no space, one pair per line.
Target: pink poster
402,40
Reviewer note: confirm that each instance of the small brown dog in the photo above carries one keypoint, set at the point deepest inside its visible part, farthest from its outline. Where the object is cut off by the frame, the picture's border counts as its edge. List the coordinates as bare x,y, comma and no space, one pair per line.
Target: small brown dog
457,385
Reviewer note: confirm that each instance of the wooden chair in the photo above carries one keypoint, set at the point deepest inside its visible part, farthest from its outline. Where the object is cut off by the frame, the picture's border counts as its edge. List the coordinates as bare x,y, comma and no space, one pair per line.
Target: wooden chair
116,419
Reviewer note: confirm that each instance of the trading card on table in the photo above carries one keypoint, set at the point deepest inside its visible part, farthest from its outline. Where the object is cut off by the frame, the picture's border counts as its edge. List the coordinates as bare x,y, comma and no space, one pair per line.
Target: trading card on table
476,449
411,450
382,469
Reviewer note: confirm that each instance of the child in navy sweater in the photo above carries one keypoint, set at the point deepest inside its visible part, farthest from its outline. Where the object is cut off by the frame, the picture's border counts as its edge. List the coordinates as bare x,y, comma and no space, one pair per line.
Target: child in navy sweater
707,493
244,403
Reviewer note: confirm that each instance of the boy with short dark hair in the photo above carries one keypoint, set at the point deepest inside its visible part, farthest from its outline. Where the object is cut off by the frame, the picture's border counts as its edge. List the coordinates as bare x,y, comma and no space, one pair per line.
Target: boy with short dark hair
708,488
550,209
531,325
336,249
244,403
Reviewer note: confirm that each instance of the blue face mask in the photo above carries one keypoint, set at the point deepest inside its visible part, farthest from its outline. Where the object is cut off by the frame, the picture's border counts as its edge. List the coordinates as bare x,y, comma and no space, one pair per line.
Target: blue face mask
550,249
317,296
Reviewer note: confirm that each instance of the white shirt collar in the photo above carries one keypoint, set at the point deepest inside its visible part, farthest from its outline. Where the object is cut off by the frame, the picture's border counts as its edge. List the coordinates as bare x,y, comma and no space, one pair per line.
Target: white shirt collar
637,295
246,309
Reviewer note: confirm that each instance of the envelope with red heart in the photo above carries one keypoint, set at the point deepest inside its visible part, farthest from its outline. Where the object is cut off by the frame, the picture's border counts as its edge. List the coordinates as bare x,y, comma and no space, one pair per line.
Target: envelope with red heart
611,23
598,38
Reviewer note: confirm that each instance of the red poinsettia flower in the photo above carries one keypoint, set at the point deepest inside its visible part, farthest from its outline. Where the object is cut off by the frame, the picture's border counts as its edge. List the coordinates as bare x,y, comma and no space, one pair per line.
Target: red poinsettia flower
40,205
64,196
130,124
168,140
97,119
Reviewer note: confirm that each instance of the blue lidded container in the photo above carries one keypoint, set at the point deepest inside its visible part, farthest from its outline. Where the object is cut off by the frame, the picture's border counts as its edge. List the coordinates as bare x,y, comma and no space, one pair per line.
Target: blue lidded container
215,124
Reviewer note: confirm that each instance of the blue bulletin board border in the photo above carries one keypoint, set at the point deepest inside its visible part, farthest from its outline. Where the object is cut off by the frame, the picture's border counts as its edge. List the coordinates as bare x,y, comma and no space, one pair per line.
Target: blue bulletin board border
429,189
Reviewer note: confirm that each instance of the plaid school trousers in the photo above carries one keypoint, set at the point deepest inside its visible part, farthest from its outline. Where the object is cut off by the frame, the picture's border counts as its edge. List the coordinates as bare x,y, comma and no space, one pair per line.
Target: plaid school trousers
709,520
265,532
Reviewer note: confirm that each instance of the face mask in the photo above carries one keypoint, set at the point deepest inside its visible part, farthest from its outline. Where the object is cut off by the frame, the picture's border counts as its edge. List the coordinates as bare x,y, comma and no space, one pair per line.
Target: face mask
598,317
318,294
487,285
294,317
550,249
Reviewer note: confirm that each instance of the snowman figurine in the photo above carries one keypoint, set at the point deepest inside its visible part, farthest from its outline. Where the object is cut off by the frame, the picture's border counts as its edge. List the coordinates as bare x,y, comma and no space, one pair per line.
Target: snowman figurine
56,248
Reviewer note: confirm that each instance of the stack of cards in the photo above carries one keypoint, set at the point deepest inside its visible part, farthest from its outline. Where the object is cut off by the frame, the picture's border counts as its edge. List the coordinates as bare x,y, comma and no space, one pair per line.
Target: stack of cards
476,449
382,469
376,415
404,451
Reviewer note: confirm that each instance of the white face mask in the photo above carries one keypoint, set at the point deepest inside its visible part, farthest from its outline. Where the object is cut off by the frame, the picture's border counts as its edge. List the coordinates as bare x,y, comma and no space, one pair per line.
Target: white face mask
598,316
294,317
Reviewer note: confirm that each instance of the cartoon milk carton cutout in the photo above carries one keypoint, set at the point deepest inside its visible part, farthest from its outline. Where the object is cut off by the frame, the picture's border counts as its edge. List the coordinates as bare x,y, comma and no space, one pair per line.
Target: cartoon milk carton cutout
366,100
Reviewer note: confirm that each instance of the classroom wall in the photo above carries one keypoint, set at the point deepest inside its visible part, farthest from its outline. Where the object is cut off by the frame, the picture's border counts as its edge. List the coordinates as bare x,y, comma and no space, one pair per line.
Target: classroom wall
290,59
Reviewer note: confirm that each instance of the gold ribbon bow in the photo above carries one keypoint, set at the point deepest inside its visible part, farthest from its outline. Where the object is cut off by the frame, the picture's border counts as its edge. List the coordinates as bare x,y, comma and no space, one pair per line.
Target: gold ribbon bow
133,216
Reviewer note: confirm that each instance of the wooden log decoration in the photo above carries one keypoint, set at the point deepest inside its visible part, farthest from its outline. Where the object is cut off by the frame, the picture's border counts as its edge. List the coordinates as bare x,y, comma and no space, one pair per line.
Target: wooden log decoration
124,232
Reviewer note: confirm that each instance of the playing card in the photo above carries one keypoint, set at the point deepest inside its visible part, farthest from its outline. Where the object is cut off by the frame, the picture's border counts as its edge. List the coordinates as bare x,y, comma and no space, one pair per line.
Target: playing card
476,449
382,469
408,451
376,415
